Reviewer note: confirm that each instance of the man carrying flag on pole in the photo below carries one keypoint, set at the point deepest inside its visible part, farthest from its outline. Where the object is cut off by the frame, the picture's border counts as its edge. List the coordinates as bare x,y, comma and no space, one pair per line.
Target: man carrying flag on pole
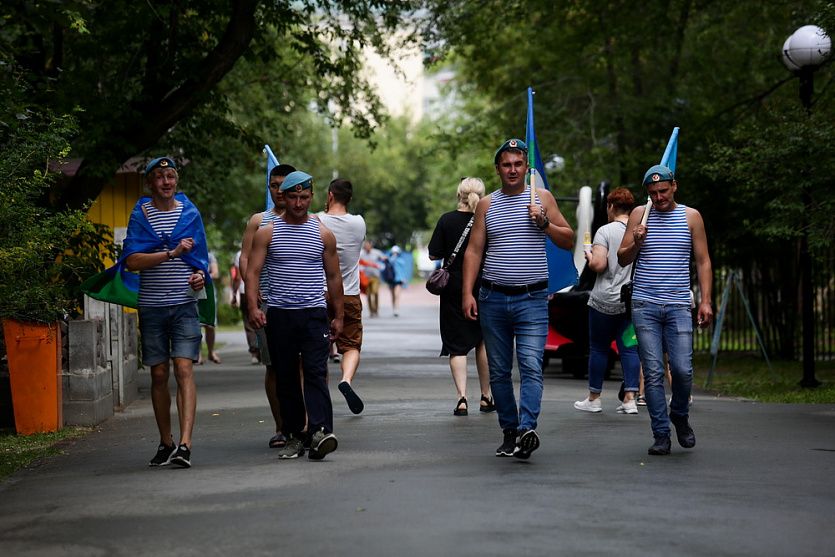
513,224
659,239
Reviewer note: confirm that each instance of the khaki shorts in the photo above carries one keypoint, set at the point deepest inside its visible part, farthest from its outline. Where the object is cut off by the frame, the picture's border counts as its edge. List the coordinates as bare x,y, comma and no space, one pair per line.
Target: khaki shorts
351,337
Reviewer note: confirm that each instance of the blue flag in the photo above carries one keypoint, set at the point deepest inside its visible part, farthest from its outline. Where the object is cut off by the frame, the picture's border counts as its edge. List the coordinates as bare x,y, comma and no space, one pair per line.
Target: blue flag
272,162
561,269
671,152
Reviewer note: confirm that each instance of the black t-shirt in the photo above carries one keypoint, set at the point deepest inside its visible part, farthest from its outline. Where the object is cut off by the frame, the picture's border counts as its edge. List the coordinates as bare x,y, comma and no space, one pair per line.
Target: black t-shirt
445,237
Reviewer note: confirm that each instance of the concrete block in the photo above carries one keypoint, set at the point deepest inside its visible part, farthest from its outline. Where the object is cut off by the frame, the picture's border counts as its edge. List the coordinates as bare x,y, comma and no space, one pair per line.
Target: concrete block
90,386
88,413
83,345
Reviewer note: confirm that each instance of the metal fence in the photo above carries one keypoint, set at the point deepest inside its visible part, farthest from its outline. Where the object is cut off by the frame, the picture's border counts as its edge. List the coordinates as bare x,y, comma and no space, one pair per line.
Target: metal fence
775,309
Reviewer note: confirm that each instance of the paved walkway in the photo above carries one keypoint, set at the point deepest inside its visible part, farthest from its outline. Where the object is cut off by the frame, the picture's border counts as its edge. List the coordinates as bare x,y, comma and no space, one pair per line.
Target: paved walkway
411,479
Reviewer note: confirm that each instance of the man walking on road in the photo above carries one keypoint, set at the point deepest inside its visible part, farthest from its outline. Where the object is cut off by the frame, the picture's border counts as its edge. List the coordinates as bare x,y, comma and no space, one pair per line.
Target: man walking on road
371,261
296,248
349,231
513,299
257,221
166,243
661,308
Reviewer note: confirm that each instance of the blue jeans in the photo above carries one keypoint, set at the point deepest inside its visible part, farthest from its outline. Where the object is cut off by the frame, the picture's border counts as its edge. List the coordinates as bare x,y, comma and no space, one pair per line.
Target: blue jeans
660,326
169,332
603,329
523,318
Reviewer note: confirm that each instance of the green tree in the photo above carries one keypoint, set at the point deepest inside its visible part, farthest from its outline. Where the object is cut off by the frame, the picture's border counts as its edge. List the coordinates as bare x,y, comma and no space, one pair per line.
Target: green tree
139,70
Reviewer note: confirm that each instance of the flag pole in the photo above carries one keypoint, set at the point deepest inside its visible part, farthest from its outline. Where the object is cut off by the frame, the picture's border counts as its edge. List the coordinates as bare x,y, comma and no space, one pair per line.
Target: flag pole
531,147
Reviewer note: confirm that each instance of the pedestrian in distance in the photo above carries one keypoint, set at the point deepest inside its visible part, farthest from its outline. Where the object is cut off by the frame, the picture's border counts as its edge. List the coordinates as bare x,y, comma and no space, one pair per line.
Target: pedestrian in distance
509,235
608,320
166,243
371,262
392,274
301,258
459,335
256,222
209,330
349,231
661,251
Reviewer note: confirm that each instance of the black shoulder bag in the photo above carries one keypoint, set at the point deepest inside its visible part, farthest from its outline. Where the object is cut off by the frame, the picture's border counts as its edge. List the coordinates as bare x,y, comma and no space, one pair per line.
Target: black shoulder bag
437,281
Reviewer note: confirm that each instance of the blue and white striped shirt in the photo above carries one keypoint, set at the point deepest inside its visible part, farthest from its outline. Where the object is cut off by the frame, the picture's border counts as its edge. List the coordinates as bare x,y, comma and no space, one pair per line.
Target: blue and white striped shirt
295,258
165,284
515,246
267,217
662,274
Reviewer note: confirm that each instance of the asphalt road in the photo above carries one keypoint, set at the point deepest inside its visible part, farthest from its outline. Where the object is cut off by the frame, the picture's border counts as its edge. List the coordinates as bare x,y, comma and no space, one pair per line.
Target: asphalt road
411,479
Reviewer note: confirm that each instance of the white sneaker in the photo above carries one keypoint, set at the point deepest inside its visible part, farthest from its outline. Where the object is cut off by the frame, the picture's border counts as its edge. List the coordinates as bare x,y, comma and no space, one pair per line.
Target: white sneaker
628,407
589,405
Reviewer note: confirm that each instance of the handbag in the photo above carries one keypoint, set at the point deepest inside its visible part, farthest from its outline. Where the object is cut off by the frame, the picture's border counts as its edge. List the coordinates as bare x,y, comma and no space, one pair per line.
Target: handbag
438,280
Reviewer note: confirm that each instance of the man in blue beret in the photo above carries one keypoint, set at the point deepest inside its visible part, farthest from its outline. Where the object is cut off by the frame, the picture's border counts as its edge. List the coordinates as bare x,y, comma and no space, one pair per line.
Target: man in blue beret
301,258
166,243
509,234
257,338
661,300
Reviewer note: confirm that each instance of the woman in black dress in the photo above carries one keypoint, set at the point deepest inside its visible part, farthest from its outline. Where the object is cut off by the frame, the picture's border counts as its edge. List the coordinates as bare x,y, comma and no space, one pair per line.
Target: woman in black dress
458,334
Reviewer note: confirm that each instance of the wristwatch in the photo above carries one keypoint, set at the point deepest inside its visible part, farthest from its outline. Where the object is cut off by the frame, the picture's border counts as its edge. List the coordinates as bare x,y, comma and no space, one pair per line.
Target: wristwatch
170,255
545,224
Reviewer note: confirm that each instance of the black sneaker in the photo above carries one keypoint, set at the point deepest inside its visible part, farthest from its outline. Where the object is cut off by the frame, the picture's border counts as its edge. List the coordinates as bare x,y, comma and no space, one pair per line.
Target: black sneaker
163,456
182,457
684,433
294,448
353,400
508,444
660,447
321,444
528,442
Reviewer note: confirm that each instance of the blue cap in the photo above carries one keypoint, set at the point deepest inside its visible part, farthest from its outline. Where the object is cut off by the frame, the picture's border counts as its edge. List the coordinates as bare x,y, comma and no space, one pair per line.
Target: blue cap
507,146
161,162
658,173
297,181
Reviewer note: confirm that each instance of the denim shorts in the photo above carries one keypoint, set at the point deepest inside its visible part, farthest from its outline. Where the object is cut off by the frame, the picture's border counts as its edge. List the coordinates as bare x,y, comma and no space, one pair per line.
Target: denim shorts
169,332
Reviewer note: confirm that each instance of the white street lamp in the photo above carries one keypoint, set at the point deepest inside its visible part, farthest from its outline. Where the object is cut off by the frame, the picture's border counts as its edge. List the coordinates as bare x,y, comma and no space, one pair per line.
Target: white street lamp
803,52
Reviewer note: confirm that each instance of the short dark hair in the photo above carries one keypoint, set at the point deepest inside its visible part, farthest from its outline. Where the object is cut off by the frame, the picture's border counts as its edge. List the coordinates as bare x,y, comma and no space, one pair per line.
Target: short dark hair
282,170
621,199
342,190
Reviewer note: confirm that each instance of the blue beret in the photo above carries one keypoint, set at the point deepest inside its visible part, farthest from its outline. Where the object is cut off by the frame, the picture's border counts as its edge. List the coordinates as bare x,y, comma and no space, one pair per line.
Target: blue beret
508,145
161,162
658,173
298,181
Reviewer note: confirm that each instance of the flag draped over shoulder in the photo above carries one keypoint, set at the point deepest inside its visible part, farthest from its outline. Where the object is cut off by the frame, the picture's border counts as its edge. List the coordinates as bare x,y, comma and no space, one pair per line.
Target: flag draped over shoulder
561,269
118,285
272,162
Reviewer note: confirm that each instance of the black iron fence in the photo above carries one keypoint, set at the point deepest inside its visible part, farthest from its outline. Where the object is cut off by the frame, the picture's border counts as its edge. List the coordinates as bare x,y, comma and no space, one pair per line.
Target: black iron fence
774,304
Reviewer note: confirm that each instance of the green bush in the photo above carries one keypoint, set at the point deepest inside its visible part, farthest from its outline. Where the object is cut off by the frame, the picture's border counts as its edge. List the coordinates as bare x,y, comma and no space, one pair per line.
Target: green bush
44,253
227,315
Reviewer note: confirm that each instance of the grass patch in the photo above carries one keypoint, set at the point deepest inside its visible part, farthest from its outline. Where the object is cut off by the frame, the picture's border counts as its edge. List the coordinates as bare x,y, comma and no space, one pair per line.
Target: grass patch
747,375
19,451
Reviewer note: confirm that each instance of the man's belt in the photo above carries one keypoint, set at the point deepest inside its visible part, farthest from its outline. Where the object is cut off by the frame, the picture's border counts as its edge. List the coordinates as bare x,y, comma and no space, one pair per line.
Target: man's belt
514,289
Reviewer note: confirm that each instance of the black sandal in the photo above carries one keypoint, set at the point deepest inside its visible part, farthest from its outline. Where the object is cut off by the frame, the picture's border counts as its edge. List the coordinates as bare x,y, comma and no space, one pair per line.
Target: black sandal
488,405
460,411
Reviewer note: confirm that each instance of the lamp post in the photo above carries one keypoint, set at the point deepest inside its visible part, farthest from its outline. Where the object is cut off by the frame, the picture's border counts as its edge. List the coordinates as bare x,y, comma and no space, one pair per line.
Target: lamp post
803,52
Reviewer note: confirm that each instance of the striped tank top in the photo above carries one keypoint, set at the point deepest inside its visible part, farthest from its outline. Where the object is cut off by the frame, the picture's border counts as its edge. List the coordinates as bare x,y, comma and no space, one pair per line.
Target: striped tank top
662,274
165,284
267,217
296,279
515,246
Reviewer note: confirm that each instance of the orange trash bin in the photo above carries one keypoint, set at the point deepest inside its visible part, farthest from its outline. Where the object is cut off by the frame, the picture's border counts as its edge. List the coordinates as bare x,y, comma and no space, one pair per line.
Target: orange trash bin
34,355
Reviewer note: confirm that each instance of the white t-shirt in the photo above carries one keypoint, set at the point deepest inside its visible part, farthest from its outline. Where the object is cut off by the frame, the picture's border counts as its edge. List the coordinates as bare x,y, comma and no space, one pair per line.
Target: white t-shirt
605,296
349,231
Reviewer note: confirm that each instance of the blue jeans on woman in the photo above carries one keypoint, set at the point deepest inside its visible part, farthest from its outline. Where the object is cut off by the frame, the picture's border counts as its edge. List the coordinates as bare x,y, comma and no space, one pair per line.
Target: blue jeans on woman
660,326
523,318
604,328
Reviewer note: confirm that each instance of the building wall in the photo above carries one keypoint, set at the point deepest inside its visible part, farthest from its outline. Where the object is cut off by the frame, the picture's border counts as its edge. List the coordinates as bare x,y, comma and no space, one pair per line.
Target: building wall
115,203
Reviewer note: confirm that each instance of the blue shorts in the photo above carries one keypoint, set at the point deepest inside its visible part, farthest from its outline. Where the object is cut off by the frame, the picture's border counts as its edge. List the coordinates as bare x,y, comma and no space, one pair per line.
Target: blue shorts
169,332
